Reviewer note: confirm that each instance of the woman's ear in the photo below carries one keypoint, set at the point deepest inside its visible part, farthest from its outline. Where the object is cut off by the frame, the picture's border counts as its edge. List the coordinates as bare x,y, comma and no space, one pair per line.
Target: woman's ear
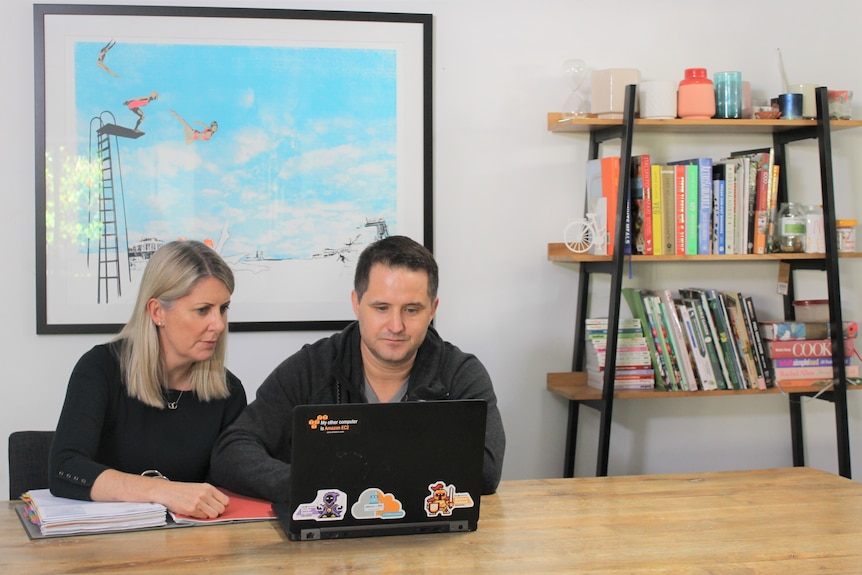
156,311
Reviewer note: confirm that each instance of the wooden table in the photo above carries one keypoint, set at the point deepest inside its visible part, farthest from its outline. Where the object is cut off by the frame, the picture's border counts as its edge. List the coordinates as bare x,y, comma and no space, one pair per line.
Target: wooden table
783,521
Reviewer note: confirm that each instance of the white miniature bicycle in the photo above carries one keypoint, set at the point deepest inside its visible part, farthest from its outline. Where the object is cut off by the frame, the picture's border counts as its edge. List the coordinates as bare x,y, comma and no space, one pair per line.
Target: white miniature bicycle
583,234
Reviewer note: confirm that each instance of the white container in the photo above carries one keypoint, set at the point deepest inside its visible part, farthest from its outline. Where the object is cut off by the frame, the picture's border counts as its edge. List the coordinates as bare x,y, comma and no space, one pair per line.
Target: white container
608,91
811,310
657,99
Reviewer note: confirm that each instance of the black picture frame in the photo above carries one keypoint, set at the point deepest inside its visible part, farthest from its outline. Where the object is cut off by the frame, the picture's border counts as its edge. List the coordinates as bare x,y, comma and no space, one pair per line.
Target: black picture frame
91,245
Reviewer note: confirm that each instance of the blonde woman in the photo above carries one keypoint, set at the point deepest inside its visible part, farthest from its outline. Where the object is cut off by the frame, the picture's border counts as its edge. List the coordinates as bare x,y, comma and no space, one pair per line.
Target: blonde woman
143,411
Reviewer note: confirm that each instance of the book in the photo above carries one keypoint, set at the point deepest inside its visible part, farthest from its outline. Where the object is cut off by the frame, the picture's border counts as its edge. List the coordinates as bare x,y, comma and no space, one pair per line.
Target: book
668,219
633,363
797,330
707,325
806,362
737,186
742,335
719,225
610,191
703,319
772,207
643,177
725,335
634,299
760,354
653,307
697,345
759,183
812,372
655,192
62,516
699,204
806,348
241,508
676,339
680,209
806,382
634,241
597,205
730,199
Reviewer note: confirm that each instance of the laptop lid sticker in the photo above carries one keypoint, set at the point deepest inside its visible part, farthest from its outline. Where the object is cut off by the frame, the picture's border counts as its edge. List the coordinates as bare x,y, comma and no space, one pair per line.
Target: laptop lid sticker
444,499
375,504
327,506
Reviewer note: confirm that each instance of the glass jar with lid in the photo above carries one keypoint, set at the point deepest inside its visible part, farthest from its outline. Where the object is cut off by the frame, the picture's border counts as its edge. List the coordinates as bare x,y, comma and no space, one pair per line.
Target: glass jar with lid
791,228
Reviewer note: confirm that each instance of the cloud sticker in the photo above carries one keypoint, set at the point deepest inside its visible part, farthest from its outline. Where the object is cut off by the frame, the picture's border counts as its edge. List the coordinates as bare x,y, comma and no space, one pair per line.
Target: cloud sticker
374,504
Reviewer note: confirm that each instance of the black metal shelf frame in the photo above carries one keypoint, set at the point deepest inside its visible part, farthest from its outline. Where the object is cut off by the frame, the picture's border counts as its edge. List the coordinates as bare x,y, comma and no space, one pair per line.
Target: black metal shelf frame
838,395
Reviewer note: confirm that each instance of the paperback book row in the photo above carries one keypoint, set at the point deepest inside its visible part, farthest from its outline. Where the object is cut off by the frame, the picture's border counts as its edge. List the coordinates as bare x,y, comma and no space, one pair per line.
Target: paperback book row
704,339
697,206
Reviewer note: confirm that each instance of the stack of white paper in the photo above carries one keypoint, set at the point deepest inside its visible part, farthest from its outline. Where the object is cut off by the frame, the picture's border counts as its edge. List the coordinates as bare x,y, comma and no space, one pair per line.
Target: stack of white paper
60,516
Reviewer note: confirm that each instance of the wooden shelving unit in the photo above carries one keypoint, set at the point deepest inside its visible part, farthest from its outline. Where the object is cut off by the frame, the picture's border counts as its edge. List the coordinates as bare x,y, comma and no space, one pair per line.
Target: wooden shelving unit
573,385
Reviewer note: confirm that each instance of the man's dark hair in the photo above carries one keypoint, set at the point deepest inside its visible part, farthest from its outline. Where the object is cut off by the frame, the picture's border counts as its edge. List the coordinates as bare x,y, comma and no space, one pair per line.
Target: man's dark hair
396,252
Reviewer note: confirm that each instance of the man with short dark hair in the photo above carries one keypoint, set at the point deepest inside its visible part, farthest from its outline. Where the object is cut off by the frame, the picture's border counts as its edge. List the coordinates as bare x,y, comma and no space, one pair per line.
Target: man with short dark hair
390,353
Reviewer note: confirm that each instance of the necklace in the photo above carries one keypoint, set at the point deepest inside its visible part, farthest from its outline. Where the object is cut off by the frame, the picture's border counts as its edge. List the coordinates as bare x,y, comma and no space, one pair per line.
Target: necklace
173,404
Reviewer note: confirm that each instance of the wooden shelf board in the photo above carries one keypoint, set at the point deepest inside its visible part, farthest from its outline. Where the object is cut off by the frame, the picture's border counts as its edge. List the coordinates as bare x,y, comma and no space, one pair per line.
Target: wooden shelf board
573,386
558,252
557,125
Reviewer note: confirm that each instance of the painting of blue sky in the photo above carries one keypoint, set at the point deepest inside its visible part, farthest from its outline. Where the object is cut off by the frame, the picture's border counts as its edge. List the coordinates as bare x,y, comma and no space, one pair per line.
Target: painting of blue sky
303,154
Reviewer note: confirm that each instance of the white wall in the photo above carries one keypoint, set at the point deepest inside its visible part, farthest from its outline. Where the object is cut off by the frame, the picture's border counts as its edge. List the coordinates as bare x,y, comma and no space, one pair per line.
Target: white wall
504,188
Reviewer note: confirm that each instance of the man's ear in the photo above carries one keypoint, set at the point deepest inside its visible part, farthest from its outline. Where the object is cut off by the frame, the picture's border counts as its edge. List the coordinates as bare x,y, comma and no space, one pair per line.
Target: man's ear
355,299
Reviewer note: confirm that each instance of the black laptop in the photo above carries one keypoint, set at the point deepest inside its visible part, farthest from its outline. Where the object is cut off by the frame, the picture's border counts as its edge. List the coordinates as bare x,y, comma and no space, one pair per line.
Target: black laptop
368,469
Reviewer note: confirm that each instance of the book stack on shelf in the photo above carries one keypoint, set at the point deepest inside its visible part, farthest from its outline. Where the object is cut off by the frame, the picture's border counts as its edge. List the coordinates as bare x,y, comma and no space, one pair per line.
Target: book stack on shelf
633,364
702,206
701,340
800,353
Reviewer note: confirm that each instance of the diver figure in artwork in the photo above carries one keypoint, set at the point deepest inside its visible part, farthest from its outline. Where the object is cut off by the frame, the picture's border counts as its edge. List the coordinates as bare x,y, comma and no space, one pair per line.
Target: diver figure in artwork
136,104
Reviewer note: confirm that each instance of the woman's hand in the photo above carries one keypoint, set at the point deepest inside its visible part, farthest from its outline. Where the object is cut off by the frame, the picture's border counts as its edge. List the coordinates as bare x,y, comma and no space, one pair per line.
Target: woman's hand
200,500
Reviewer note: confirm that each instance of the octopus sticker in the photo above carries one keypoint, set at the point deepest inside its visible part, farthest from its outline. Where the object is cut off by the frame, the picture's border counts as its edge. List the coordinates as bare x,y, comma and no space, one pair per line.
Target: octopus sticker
444,499
327,506
375,504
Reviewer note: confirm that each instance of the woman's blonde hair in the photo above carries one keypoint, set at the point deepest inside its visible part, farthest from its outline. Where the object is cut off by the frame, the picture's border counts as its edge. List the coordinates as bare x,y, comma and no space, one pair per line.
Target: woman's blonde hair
171,273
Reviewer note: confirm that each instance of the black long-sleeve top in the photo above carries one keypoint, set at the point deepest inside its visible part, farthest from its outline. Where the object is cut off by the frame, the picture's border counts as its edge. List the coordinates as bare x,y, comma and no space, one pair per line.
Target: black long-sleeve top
101,427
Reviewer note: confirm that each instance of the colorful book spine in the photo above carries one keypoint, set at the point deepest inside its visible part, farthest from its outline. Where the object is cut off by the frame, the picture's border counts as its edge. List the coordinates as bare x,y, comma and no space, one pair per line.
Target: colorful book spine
798,331
729,209
699,204
597,205
762,213
653,306
782,373
655,192
610,191
681,209
805,362
645,174
708,325
634,299
704,200
772,205
668,222
807,348
720,222
677,339
760,354
697,344
692,215
741,332
722,326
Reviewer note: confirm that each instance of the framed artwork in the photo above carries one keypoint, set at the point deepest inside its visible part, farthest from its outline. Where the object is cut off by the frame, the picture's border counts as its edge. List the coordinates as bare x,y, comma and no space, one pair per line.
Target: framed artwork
288,140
